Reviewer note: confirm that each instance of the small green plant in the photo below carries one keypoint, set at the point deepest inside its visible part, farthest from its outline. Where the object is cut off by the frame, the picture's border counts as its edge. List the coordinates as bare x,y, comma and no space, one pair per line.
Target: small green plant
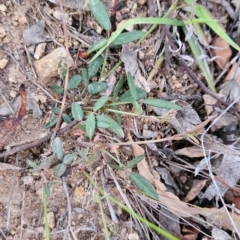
62,159
58,158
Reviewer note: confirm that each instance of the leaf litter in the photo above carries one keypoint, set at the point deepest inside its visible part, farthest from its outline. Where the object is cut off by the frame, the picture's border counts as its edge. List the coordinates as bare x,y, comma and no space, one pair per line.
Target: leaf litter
162,125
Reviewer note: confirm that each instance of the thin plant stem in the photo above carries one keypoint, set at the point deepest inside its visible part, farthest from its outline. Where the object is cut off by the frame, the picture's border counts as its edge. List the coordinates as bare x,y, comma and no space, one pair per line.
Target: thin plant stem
141,219
106,233
102,78
113,69
47,231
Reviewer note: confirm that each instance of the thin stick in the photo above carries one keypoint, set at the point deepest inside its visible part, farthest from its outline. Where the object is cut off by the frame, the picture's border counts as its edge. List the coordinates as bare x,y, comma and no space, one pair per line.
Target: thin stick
9,206
69,208
110,207
191,74
67,72
37,142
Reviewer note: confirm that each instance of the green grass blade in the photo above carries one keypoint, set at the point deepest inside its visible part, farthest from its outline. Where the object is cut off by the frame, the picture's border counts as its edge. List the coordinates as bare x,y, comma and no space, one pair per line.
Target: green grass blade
203,65
166,21
132,86
157,229
203,14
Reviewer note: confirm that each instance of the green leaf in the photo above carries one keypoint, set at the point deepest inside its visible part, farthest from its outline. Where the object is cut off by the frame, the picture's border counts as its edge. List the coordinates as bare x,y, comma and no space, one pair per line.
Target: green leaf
47,189
52,122
77,112
127,96
69,158
132,86
57,148
96,87
118,115
100,102
74,81
59,170
135,161
128,37
32,164
137,108
82,127
97,45
146,20
206,17
202,63
144,185
161,103
100,13
119,86
90,125
94,66
56,110
57,89
115,166
66,118
107,122
85,76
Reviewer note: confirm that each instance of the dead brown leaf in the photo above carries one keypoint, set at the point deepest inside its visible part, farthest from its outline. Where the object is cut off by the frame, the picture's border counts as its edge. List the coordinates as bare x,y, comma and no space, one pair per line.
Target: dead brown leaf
197,186
192,152
222,51
174,204
9,127
231,73
189,232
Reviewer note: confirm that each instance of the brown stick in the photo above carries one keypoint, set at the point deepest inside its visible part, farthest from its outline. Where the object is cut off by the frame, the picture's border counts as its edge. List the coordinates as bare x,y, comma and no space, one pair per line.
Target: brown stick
67,72
37,142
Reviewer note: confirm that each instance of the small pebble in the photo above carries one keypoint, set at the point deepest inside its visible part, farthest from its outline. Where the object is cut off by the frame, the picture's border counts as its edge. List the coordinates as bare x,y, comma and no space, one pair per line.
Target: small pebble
13,93
3,8
141,55
3,63
133,236
40,50
27,180
51,220
2,32
78,192
57,15
177,84
7,39
142,2
145,126
22,20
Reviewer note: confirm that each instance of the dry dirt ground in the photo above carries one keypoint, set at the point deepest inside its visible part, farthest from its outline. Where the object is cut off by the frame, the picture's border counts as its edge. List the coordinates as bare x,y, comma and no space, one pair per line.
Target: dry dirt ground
21,190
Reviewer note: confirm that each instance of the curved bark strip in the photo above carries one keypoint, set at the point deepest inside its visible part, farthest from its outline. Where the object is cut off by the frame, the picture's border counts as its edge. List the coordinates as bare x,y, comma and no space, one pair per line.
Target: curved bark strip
9,126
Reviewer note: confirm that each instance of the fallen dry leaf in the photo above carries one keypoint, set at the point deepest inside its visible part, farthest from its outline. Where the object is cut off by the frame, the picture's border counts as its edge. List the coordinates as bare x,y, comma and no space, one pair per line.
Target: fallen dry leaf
236,202
215,216
229,173
210,102
9,126
231,73
197,186
129,58
220,234
189,232
222,51
192,152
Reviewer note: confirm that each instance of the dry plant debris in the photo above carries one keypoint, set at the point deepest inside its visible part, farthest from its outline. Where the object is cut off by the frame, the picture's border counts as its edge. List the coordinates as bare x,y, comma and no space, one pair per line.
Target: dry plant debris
147,107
